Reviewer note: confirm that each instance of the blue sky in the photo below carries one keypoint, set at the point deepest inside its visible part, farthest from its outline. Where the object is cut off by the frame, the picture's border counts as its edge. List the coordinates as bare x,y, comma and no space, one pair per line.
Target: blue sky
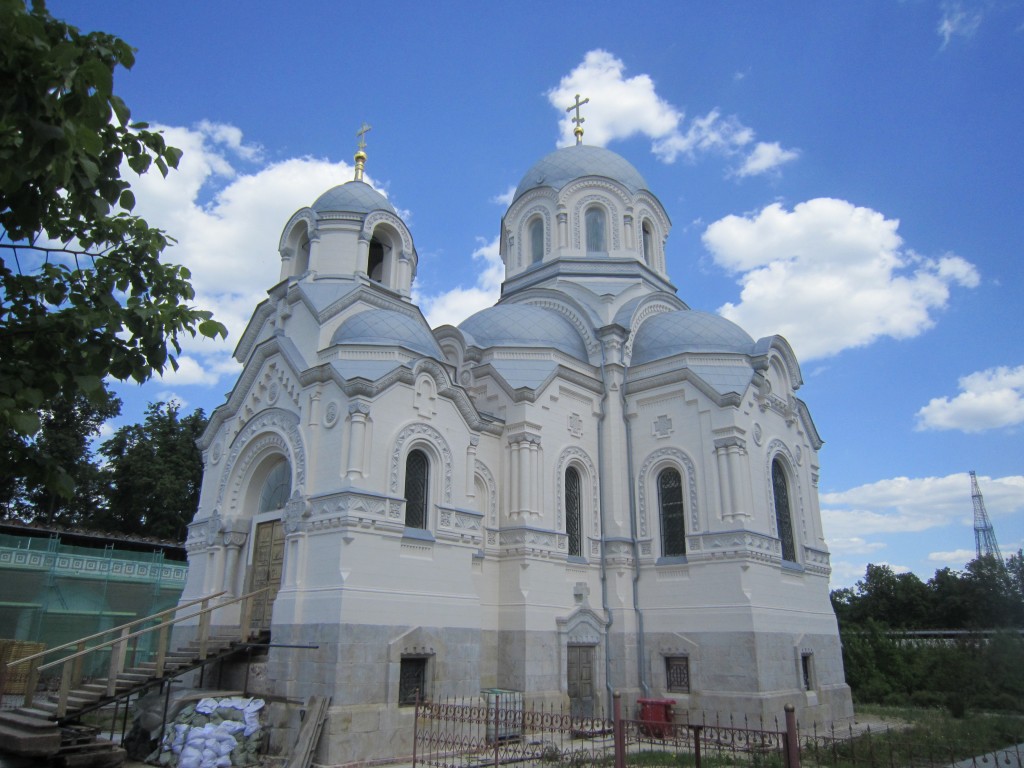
850,175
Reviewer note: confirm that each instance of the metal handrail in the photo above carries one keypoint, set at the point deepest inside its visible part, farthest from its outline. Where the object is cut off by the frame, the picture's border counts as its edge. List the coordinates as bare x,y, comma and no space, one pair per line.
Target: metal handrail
154,628
119,645
174,609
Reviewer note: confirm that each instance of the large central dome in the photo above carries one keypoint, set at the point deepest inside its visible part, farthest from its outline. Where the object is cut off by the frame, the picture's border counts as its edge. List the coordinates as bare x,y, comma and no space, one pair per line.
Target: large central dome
569,163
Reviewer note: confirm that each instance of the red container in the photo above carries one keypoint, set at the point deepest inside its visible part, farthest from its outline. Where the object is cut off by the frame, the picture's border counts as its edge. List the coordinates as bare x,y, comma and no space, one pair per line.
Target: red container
656,717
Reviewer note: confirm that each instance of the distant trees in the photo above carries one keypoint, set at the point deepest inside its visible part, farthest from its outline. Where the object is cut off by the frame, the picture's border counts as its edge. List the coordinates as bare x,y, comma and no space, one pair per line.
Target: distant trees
144,480
987,595
971,669
153,474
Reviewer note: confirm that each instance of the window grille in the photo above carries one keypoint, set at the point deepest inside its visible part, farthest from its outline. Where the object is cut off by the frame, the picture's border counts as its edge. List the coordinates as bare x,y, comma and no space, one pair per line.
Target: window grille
573,527
783,513
673,514
417,468
677,673
412,678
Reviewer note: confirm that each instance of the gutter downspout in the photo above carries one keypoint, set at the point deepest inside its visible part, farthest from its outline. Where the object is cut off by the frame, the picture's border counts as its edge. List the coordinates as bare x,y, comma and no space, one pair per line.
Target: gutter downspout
604,535
640,654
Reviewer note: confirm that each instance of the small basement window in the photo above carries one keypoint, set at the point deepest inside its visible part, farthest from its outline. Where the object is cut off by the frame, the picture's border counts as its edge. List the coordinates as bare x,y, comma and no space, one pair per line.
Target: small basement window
412,680
807,670
677,673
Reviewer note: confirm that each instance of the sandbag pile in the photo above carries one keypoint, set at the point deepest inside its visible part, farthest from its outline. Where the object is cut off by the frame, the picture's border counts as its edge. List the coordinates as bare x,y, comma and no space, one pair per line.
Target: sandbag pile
214,733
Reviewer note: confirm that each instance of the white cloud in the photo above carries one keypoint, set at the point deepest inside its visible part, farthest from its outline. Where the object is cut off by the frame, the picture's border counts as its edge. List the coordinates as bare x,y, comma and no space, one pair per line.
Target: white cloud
957,558
958,21
912,505
231,137
830,275
505,198
453,306
988,399
766,157
621,107
854,545
227,223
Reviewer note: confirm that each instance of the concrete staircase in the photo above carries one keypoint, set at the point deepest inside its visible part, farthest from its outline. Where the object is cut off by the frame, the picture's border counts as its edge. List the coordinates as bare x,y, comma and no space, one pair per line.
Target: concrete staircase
38,731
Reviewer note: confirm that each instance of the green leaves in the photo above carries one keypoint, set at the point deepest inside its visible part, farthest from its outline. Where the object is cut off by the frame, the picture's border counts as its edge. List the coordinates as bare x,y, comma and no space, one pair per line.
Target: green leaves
85,295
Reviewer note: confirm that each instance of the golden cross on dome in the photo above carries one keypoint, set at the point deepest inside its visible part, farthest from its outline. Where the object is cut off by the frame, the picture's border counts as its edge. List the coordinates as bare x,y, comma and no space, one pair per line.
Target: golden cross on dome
578,130
361,133
360,156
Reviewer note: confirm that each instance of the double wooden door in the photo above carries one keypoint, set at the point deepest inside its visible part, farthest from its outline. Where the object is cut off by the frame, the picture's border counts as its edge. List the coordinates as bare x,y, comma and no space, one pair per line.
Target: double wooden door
267,564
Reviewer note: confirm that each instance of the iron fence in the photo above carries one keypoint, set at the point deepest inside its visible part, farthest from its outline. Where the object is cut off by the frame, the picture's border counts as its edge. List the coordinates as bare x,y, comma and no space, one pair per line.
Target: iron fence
492,731
497,731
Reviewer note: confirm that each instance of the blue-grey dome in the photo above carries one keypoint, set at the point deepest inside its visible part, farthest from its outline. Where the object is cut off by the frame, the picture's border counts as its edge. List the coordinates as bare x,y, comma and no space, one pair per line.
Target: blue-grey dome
352,197
571,163
687,330
523,325
385,327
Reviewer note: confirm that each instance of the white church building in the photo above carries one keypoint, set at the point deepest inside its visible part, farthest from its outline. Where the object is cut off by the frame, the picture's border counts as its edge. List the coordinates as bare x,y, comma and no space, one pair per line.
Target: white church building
587,488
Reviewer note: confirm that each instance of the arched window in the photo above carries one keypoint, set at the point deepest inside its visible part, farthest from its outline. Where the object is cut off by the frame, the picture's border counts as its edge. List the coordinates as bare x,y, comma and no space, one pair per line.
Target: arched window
537,240
595,225
276,488
375,262
645,237
573,523
783,513
673,515
417,470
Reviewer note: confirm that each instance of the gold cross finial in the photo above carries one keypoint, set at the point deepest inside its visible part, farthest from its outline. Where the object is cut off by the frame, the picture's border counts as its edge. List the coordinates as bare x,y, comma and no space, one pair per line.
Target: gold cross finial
578,130
361,133
360,156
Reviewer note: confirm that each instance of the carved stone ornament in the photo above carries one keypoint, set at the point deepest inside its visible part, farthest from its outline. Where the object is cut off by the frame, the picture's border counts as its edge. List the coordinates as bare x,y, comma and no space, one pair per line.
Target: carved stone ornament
296,512
331,414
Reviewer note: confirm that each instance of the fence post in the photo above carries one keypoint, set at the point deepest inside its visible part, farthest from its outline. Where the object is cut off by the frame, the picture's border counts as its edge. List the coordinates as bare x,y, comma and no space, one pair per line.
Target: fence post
66,671
415,727
696,743
792,738
33,681
76,673
161,649
204,629
497,741
618,731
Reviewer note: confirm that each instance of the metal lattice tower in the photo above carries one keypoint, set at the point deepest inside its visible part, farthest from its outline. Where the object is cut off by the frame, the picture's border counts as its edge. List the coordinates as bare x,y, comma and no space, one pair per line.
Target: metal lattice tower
984,534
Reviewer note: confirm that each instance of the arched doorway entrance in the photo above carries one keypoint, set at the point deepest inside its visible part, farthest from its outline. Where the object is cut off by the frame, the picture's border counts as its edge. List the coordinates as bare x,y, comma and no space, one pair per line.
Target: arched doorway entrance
268,541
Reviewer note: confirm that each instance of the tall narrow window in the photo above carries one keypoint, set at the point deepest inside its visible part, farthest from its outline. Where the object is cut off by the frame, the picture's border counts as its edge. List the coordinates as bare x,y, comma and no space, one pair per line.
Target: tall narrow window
670,502
417,468
783,513
645,236
573,528
537,240
595,225
276,488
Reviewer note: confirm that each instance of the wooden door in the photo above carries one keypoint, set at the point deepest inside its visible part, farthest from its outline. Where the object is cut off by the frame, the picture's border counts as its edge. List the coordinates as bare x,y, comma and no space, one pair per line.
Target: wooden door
267,562
580,674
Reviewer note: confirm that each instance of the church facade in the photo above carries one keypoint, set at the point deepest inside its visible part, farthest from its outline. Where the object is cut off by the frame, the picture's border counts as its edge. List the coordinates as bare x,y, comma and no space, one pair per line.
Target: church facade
589,487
